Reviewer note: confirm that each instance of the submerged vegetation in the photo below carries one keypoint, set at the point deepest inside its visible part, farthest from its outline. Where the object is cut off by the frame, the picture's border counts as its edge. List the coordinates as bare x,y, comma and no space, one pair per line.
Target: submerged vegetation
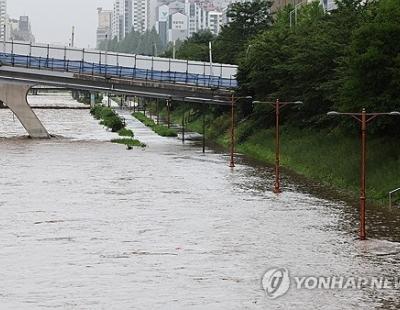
128,142
109,118
124,132
344,60
158,129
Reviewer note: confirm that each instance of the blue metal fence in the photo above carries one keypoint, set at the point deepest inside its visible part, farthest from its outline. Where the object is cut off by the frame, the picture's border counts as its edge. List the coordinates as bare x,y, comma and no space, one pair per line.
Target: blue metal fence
98,69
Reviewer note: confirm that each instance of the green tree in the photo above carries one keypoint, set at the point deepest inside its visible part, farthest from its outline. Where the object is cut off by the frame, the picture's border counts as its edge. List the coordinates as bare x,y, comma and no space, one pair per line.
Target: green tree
305,62
372,75
247,19
147,43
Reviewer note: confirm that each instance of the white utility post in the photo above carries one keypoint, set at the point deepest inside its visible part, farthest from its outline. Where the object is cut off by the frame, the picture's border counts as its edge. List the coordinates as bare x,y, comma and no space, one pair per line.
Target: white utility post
4,38
211,59
295,13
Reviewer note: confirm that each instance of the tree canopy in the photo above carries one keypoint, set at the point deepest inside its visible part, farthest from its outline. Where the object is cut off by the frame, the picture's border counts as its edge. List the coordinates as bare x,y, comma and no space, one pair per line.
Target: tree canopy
147,43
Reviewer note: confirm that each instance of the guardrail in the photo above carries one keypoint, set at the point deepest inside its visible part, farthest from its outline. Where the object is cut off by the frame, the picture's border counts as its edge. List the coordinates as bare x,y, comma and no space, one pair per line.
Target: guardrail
110,64
391,196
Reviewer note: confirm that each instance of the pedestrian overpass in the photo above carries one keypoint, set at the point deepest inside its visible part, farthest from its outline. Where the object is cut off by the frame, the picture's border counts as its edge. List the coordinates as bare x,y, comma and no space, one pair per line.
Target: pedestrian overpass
24,65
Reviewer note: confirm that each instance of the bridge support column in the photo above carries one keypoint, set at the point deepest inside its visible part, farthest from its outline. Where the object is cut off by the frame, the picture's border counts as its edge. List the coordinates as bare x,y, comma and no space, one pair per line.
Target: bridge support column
183,127
204,127
14,95
92,100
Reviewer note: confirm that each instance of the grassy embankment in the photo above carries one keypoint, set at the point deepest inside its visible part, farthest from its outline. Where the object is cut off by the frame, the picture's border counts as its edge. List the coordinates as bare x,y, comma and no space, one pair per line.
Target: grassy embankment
158,129
112,121
331,157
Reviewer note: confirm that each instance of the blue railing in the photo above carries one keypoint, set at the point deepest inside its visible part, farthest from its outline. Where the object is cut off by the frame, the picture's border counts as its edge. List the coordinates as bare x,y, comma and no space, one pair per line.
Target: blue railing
98,69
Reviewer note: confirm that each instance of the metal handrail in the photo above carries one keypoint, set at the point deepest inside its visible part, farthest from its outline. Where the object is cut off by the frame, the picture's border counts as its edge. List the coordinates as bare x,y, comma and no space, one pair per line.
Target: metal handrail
391,195
145,59
37,56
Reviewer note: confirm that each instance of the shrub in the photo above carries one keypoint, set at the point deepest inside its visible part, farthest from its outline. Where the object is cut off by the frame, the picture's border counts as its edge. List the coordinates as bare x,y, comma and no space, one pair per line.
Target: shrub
158,129
129,142
124,132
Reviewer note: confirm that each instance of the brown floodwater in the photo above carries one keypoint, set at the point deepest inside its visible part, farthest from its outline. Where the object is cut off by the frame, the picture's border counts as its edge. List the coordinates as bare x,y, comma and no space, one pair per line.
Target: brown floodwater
87,224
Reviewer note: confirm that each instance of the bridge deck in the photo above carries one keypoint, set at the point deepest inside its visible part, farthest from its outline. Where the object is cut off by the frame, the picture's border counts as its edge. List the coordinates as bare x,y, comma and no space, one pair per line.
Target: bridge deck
122,66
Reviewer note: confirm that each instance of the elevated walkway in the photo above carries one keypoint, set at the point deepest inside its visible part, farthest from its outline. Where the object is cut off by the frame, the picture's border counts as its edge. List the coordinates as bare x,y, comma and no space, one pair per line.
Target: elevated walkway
118,65
24,65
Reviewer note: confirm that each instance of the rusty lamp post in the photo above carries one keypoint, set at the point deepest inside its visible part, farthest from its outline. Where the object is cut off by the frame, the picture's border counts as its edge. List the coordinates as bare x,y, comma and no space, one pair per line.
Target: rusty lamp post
363,118
224,100
233,101
277,105
168,103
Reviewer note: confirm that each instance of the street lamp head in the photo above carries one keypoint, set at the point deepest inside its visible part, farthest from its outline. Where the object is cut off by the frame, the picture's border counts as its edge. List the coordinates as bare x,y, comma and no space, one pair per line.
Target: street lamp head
394,113
248,97
299,102
332,113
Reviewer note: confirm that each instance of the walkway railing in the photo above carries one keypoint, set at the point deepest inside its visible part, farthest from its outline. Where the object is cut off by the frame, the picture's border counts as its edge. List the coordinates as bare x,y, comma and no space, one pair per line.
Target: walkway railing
123,66
391,193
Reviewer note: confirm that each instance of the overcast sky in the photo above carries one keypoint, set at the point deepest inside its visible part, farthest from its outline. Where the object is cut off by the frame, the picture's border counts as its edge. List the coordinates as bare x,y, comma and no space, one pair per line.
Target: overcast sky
52,20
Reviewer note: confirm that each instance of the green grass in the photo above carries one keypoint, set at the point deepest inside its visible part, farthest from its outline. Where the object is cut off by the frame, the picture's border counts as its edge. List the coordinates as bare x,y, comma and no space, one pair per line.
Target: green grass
129,142
158,129
331,157
111,120
107,117
124,132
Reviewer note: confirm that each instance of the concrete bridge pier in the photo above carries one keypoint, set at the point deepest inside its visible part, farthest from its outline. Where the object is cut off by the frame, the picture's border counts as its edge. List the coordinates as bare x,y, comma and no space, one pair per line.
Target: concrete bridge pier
14,95
92,99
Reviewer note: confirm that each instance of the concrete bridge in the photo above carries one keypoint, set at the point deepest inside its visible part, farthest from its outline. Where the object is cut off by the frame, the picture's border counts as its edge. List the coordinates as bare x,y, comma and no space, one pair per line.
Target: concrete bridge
24,65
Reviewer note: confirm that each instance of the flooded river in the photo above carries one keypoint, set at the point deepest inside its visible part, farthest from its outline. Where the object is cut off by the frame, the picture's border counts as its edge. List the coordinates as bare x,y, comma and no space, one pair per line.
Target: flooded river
86,224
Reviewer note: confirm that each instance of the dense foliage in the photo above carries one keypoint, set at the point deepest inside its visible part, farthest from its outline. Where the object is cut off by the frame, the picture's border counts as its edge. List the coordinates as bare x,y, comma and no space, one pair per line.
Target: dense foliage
158,129
343,60
194,48
147,43
108,117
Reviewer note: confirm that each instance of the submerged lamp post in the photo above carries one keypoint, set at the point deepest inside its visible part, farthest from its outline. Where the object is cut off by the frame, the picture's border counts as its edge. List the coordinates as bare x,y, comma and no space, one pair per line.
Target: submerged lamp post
277,105
168,113
224,100
363,118
234,100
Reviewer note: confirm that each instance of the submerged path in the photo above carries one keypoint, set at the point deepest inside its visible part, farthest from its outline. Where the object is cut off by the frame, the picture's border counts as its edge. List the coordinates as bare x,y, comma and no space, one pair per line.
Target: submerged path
87,224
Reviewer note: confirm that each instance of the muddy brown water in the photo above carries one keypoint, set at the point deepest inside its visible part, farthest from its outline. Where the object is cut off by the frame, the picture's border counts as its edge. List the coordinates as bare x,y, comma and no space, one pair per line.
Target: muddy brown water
86,224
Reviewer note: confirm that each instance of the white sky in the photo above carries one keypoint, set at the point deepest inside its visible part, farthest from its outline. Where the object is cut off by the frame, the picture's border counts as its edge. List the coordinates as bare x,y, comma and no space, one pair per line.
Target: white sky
52,20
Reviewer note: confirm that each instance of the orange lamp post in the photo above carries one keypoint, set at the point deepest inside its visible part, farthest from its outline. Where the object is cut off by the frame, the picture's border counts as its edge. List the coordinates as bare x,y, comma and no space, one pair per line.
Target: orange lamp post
363,118
277,105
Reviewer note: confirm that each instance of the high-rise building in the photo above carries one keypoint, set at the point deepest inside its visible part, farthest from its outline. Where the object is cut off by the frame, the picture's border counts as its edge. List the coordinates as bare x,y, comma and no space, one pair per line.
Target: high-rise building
116,24
128,16
141,13
197,17
162,23
177,28
328,5
20,29
214,22
176,6
12,25
104,25
121,19
3,18
152,13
